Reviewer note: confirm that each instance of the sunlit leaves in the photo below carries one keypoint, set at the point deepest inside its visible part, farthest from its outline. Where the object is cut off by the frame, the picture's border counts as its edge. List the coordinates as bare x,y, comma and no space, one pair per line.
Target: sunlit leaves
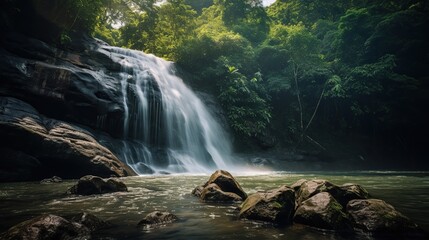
245,103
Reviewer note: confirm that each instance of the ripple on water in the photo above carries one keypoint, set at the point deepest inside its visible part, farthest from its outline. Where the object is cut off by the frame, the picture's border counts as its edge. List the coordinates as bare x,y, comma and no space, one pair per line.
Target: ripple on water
407,193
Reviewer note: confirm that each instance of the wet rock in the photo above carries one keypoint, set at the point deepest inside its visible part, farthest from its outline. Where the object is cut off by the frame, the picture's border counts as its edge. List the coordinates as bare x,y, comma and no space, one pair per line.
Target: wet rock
158,218
64,84
313,187
143,168
351,191
88,220
89,185
295,186
197,191
51,147
53,179
260,162
380,219
322,211
47,227
221,187
226,183
276,206
213,193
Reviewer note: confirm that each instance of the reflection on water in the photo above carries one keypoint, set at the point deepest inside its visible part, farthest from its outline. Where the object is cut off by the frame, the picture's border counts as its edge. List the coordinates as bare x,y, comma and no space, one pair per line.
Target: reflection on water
407,191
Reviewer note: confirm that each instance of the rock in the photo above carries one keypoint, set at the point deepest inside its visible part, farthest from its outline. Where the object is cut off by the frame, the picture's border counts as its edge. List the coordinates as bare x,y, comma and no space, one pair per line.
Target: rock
350,191
51,147
88,220
322,211
226,183
258,161
295,186
197,191
79,84
313,187
53,179
221,187
380,219
158,218
213,193
143,168
88,185
47,227
276,206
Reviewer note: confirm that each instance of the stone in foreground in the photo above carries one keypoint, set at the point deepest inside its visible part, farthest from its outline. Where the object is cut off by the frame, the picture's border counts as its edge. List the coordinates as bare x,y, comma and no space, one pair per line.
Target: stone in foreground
88,220
276,206
322,211
212,193
221,187
310,188
226,183
89,185
158,218
380,219
343,194
47,227
54,179
351,191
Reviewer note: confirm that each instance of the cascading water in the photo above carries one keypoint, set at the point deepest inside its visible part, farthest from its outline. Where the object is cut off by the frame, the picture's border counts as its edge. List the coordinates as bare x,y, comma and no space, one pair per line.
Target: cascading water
166,126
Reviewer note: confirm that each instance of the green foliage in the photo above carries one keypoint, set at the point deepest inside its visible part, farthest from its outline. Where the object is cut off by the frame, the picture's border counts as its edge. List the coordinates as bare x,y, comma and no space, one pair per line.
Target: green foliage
65,39
243,99
246,17
175,24
81,15
341,65
353,30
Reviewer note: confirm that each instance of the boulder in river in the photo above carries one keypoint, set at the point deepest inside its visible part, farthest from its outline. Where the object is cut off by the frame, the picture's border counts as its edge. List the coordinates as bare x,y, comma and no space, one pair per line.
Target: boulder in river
322,211
226,183
88,185
351,191
213,193
296,185
380,219
92,222
312,187
47,227
343,194
221,187
158,218
54,179
276,206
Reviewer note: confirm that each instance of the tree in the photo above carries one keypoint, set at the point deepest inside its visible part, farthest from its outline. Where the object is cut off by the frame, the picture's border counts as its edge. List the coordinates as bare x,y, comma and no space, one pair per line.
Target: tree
303,72
245,103
176,22
246,17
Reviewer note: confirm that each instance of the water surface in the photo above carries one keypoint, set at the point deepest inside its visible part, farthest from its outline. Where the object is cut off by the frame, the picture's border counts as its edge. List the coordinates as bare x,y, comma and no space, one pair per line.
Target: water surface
407,191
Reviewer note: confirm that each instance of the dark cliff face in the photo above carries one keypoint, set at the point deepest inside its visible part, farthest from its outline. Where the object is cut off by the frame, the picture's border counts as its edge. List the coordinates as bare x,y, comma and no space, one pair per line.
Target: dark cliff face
45,91
79,85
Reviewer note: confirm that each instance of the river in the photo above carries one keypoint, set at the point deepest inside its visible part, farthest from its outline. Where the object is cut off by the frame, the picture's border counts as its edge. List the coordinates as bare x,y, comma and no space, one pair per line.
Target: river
408,192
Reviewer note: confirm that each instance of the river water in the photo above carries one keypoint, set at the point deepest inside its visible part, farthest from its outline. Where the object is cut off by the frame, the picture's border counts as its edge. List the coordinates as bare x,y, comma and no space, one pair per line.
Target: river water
408,192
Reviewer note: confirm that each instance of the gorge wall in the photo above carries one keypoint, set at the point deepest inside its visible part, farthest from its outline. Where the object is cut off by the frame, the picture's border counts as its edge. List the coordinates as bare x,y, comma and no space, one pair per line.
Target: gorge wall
89,108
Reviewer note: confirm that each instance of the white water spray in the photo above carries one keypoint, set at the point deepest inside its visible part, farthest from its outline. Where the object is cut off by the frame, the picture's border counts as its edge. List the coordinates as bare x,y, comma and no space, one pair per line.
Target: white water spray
166,126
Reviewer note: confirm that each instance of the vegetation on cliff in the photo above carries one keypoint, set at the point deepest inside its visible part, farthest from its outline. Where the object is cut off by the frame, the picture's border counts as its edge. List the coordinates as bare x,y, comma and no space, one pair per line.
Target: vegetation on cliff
297,73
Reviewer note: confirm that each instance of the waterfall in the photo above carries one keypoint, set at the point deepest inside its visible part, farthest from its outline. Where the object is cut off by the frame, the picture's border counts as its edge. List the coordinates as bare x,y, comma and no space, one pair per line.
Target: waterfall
166,127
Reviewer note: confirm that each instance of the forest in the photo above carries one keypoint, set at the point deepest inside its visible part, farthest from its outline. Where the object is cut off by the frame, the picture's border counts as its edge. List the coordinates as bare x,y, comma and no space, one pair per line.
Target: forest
214,119
344,78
